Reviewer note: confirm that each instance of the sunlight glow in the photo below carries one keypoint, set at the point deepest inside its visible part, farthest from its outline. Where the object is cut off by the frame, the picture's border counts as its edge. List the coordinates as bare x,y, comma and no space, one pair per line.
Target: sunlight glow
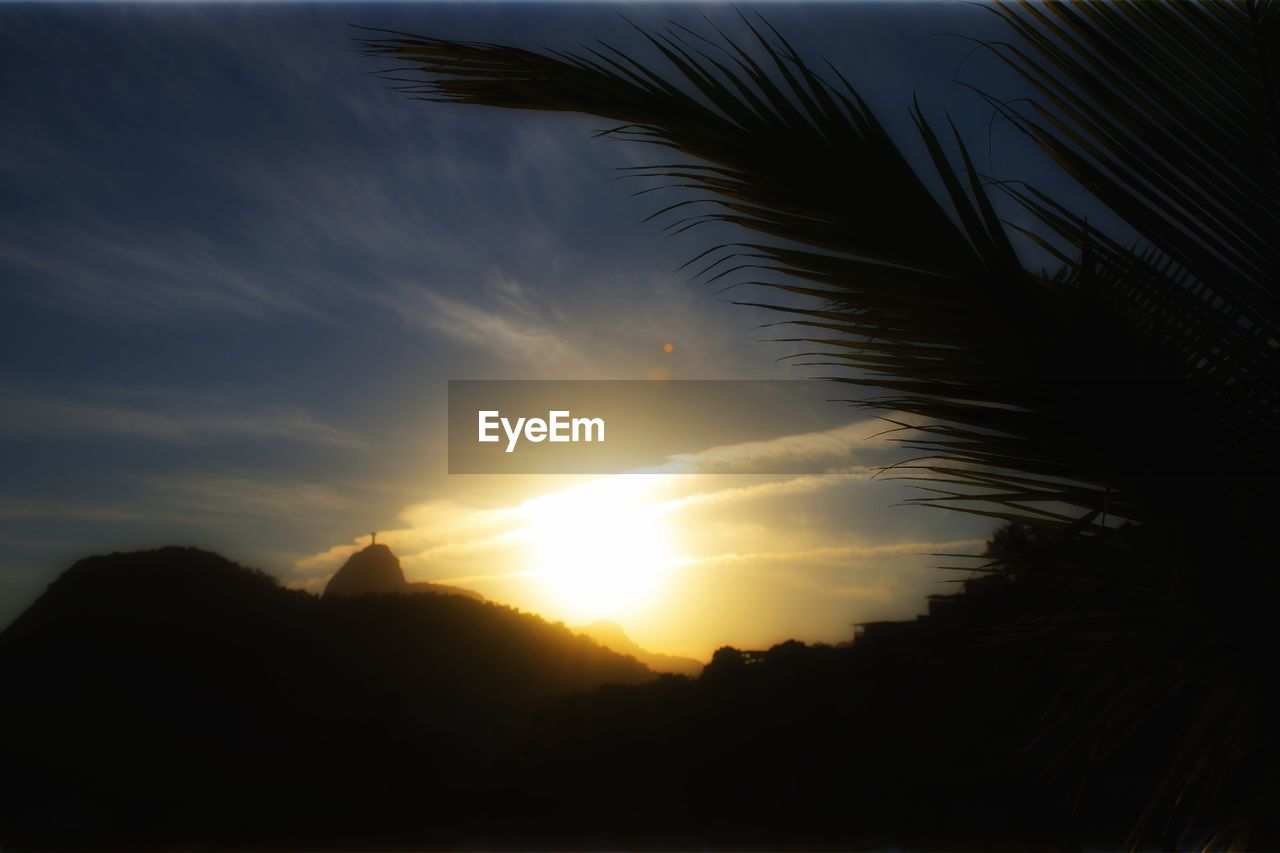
602,549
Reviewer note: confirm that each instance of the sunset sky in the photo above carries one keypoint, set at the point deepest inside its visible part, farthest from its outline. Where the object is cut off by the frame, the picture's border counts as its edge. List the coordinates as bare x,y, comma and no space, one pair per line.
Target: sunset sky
236,274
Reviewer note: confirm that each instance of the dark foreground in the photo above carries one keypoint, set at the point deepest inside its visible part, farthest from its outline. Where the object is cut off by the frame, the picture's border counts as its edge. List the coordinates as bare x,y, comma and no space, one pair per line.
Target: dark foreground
172,699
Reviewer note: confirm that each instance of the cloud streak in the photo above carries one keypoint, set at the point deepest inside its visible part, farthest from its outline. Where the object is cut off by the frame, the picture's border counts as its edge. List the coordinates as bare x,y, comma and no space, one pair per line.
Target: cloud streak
12,508
518,335
795,452
159,414
838,555
242,496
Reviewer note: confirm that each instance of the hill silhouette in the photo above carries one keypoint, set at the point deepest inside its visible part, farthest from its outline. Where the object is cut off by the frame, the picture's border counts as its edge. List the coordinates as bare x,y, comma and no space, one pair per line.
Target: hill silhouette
154,697
174,699
375,570
611,636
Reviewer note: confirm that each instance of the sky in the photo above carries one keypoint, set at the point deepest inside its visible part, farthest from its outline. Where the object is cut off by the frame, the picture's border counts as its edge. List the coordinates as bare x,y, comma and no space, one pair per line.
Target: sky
237,273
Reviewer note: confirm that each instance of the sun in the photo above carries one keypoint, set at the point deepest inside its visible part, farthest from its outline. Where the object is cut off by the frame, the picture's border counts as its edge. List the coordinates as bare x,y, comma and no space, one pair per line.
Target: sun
602,550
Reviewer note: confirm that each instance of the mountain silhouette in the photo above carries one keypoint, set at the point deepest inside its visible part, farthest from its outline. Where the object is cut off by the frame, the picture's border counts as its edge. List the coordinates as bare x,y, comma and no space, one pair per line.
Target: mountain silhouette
174,699
610,635
153,697
375,570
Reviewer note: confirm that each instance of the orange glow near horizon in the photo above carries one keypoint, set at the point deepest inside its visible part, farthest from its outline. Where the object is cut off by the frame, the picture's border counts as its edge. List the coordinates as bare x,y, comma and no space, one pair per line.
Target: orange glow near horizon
683,561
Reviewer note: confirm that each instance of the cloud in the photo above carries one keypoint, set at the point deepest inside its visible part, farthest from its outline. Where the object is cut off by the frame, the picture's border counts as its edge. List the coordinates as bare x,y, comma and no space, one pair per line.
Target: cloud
839,555
241,496
441,529
432,529
771,489
159,414
872,573
21,508
508,328
155,271
784,453
453,541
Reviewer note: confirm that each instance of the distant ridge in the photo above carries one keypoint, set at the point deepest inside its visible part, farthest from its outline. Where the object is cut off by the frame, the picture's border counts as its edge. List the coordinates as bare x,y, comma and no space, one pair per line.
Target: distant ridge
611,636
375,570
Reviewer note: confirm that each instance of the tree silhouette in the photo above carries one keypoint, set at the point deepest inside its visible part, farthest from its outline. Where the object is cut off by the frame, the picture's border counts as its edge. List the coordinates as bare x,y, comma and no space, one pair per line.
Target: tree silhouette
1137,382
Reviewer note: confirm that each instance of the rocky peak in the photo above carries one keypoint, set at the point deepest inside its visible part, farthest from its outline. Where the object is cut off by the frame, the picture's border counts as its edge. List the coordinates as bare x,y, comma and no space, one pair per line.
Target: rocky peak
373,570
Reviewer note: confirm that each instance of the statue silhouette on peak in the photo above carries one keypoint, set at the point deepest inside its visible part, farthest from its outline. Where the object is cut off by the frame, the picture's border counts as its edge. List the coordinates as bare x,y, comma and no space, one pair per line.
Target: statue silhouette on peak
373,570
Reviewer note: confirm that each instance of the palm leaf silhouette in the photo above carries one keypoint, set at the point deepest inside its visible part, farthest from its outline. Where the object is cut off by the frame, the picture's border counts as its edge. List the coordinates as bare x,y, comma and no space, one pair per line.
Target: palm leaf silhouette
924,298
1138,382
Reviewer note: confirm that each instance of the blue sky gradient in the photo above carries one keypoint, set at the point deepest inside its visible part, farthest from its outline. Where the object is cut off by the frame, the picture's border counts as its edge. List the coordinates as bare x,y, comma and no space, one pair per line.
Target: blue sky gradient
236,271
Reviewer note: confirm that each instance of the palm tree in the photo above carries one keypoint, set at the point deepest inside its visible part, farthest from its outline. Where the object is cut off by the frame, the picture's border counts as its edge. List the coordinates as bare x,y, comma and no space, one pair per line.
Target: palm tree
1125,404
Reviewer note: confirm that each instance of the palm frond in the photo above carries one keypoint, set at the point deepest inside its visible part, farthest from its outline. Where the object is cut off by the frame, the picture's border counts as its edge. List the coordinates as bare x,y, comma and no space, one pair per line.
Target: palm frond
1168,113
923,294
1138,382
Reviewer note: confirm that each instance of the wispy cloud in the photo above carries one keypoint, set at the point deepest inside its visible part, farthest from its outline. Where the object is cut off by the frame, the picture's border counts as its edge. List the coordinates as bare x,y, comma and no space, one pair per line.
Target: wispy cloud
22,508
839,555
431,529
111,268
795,452
244,496
451,533
510,329
770,489
449,527
158,414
